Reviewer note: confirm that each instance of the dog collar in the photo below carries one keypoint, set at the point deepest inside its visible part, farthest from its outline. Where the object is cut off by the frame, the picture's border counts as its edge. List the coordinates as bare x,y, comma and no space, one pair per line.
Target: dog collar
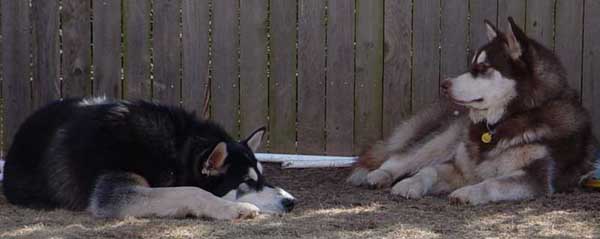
487,137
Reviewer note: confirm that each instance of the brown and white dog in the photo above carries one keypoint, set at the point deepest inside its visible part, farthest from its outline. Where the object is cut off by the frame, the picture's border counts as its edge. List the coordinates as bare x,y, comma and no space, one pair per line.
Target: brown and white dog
525,135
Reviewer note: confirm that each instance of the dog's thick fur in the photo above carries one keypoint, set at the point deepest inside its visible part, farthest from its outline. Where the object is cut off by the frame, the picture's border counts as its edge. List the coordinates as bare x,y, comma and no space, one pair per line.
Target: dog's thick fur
119,158
516,90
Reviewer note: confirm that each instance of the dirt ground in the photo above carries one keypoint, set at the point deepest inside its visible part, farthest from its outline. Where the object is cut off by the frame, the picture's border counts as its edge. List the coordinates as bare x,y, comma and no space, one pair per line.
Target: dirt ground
329,208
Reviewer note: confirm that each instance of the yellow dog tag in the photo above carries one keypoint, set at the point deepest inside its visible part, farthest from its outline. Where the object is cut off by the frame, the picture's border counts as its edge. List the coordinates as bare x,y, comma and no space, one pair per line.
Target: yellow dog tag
486,137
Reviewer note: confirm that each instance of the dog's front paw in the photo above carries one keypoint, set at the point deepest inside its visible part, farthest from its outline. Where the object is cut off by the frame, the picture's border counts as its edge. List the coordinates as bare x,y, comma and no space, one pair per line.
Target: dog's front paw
410,188
358,177
474,195
237,211
380,178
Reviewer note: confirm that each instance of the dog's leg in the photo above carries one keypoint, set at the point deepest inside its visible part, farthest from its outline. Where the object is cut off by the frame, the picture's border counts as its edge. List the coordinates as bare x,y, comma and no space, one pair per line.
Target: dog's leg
527,183
436,151
125,194
438,179
416,128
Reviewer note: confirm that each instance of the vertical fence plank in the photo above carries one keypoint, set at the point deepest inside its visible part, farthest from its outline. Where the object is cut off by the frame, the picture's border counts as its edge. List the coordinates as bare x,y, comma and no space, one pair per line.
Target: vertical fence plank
16,48
426,52
480,10
253,65
311,76
369,73
107,48
282,103
166,85
540,21
76,48
224,83
195,54
137,53
454,39
340,77
591,61
46,58
397,63
511,8
569,34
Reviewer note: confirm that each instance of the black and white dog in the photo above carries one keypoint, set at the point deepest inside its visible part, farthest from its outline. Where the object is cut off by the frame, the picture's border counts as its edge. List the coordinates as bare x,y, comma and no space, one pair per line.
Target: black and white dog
118,158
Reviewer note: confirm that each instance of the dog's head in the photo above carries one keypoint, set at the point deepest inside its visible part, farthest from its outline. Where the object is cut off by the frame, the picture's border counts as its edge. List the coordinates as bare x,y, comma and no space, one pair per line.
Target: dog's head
232,172
511,71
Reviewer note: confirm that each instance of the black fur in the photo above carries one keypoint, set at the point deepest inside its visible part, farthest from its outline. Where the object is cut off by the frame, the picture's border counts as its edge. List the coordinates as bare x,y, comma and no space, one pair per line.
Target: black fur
68,152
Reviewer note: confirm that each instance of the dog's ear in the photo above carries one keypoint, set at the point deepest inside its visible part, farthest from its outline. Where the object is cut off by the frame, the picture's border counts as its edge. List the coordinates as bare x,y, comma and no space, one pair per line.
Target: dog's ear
255,139
516,40
215,161
491,30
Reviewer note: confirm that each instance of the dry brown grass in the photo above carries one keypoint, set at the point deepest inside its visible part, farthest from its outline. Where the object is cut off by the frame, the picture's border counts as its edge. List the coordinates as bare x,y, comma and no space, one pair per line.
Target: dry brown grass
331,209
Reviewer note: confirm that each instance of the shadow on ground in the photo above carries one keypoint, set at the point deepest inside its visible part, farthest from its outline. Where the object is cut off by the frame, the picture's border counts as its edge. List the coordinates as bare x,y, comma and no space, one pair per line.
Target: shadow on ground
329,208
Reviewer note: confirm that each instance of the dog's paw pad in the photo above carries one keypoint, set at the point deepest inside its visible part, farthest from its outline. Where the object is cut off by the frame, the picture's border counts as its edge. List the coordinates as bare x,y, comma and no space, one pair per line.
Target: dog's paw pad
409,188
379,179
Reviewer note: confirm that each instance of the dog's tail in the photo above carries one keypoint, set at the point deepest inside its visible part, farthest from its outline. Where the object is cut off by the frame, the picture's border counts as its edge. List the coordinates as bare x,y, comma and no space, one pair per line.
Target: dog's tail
370,159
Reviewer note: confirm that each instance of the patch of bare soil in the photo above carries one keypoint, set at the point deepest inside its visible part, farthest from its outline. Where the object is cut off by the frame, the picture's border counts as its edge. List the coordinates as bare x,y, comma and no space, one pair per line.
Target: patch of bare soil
329,208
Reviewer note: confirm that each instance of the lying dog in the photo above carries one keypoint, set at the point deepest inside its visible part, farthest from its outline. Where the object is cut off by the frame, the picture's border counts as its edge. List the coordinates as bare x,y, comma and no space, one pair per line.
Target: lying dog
526,134
119,158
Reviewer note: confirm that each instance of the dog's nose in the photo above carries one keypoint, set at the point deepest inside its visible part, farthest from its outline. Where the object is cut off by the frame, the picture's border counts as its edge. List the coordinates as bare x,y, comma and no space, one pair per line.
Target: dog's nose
288,204
446,84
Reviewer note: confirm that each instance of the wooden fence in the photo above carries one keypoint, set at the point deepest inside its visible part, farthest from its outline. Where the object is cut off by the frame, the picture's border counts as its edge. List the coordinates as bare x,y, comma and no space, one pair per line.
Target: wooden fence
325,76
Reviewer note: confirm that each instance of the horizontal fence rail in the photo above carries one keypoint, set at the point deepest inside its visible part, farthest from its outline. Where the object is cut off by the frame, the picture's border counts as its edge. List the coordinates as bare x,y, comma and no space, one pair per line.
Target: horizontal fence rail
325,76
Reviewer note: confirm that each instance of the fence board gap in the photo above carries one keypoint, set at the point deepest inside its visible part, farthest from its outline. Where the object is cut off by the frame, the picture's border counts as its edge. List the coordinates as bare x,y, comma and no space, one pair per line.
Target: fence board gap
195,54
76,56
107,48
166,46
282,103
224,83
46,56
397,63
340,77
253,66
137,49
569,35
311,76
591,60
426,32
368,74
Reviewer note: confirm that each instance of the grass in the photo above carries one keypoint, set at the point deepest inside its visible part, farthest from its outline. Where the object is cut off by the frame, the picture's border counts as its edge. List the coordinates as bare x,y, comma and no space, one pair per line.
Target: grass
329,208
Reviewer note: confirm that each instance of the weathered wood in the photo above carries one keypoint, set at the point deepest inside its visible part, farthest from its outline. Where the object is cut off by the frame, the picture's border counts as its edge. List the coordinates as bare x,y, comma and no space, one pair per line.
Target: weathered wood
224,84
340,77
591,61
253,66
137,53
282,103
511,8
569,35
195,54
107,48
426,61
166,85
77,55
480,10
454,40
540,21
311,76
16,46
369,73
396,63
46,58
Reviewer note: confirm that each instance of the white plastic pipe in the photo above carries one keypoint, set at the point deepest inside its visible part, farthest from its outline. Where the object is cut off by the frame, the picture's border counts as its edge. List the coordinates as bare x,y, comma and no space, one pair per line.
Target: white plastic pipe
306,161
1,169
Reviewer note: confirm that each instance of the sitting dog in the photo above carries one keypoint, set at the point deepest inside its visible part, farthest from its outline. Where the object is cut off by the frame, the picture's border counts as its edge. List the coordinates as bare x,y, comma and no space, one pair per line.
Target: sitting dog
525,135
